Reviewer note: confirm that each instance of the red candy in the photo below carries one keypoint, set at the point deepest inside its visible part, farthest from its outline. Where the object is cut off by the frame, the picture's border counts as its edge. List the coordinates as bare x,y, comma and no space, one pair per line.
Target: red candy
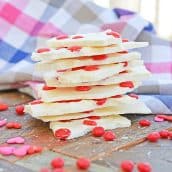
42,50
57,163
116,96
101,101
3,106
165,117
170,135
34,149
89,122
109,136
77,37
124,40
127,166
94,117
83,163
99,57
77,68
62,133
134,95
144,123
153,137
83,88
14,125
48,88
98,131
20,110
144,167
114,34
164,134
74,48
61,37
91,68
128,84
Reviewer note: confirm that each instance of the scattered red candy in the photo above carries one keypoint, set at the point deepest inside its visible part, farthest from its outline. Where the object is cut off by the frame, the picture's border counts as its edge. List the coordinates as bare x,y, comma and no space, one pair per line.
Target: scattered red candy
61,37
170,135
94,117
98,131
83,163
77,68
77,37
116,96
134,95
164,134
144,167
99,57
3,106
74,48
109,136
57,163
14,125
153,137
89,122
127,166
101,101
20,110
83,88
91,68
124,40
62,133
114,34
144,123
42,50
34,149
128,84
45,87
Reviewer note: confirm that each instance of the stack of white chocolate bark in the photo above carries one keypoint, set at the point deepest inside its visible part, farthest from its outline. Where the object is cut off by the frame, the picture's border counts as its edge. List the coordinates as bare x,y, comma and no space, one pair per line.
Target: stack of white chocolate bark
87,77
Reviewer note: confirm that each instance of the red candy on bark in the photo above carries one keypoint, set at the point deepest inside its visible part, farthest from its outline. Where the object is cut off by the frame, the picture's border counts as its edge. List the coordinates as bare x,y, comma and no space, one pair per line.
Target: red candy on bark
14,125
153,137
101,101
20,110
89,122
62,133
144,167
91,68
144,123
62,37
74,48
128,84
98,131
83,88
83,163
3,106
127,166
114,34
109,136
99,57
42,50
164,134
57,163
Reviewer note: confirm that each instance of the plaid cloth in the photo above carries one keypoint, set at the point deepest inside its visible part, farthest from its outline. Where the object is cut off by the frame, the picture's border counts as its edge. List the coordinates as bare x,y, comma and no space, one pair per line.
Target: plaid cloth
25,23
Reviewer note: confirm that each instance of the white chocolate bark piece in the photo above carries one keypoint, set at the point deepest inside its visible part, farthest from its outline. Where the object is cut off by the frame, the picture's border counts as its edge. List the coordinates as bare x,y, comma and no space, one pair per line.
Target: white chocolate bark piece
54,109
89,39
78,129
120,109
63,53
63,64
138,73
96,92
81,75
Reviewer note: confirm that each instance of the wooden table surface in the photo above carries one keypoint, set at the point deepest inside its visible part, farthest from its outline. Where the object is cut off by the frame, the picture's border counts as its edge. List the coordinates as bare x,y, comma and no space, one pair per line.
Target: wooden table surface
105,156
